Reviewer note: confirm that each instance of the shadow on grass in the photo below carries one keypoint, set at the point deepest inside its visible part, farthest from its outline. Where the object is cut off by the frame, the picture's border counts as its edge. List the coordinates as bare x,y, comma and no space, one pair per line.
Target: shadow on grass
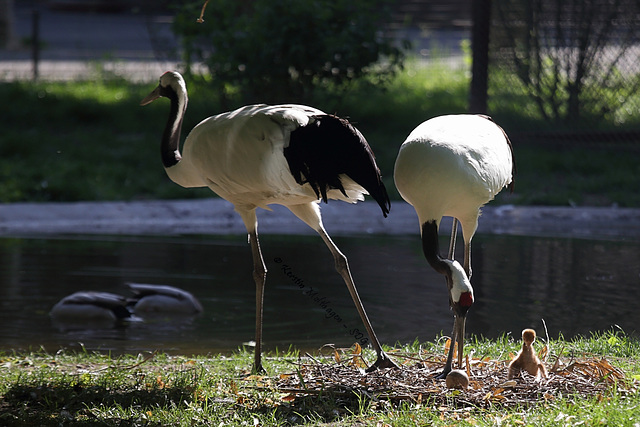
331,406
78,405
99,405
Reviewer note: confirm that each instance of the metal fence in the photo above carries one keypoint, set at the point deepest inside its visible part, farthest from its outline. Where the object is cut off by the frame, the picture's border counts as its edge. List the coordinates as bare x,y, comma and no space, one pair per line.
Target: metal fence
574,64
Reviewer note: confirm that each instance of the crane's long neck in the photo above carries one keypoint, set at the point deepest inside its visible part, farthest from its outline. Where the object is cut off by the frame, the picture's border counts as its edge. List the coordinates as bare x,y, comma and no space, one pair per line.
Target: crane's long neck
460,289
170,148
431,248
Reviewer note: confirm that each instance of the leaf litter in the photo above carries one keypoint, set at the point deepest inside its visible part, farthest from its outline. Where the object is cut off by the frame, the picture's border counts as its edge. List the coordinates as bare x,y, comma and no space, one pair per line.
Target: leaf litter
342,372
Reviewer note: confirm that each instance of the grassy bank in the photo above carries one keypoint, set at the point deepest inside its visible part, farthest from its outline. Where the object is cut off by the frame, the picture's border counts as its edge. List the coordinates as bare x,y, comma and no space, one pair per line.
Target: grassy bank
92,141
592,381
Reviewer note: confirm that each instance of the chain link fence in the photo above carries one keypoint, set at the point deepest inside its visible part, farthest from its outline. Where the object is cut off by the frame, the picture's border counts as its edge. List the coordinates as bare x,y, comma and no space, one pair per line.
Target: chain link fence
573,65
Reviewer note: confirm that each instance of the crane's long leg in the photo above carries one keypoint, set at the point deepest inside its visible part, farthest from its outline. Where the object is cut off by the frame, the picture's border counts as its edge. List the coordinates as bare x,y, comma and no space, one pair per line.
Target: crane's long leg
259,276
310,214
469,226
456,336
342,266
467,259
452,242
456,321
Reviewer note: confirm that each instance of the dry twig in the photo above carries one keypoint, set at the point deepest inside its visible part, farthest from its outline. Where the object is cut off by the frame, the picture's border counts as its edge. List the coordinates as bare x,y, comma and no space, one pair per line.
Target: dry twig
200,20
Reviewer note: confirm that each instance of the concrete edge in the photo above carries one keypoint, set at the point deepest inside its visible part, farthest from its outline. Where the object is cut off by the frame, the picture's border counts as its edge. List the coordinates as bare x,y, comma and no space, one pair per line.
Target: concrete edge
216,216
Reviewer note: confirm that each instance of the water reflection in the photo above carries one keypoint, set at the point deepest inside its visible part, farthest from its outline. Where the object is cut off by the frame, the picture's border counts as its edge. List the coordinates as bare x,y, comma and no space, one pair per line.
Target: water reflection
576,286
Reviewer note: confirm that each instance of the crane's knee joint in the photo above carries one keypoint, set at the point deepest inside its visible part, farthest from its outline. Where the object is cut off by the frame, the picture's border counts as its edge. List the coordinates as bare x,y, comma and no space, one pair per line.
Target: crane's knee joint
341,263
260,274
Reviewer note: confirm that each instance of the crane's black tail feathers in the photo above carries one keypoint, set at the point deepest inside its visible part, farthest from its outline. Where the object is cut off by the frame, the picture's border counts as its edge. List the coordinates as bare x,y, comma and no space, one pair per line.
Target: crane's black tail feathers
328,147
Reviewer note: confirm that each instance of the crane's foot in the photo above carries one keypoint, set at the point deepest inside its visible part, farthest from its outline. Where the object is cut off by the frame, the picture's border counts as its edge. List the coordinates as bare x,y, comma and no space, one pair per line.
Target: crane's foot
382,362
258,370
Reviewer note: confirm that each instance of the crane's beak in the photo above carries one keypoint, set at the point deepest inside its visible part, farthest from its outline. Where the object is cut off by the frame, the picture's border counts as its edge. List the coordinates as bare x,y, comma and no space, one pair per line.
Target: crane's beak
155,94
458,327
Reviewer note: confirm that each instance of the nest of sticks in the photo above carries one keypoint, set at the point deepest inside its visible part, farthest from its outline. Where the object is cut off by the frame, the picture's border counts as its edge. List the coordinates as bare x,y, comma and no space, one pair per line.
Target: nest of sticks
343,373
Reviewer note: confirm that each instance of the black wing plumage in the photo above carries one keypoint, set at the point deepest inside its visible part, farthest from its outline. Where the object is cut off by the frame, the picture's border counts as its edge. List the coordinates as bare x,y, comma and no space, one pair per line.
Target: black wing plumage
328,147
115,303
142,290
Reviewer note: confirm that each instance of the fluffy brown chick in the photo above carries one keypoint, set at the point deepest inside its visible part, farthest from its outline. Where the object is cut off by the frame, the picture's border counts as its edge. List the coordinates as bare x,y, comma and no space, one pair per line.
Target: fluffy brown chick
526,359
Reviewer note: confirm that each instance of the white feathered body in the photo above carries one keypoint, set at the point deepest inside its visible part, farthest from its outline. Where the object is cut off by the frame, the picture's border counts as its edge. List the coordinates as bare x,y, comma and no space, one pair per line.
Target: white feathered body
258,155
239,155
452,165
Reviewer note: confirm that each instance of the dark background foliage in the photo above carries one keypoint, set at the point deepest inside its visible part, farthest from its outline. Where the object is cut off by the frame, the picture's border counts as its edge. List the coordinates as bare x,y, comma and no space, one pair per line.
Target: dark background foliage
278,50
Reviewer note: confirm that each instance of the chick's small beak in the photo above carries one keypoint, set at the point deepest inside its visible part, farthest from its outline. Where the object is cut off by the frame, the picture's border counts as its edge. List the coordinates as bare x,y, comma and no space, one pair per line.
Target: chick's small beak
155,94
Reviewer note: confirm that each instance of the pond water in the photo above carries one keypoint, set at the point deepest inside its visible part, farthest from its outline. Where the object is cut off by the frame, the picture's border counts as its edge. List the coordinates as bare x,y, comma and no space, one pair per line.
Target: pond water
575,285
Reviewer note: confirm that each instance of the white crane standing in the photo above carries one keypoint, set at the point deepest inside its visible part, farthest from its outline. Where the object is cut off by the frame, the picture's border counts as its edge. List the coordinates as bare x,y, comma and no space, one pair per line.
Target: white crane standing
258,155
451,166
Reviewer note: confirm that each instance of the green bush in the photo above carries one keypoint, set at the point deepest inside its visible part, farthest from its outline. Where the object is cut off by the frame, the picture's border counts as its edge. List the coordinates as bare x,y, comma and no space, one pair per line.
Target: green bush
282,50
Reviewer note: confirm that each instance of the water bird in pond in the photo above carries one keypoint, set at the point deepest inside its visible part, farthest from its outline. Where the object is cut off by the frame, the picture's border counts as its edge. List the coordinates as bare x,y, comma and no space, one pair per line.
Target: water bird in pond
104,309
451,166
86,309
257,155
526,359
162,299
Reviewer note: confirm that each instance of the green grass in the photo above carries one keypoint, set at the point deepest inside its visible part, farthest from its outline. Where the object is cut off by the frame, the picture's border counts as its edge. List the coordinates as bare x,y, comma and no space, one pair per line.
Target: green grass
40,388
575,176
90,140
